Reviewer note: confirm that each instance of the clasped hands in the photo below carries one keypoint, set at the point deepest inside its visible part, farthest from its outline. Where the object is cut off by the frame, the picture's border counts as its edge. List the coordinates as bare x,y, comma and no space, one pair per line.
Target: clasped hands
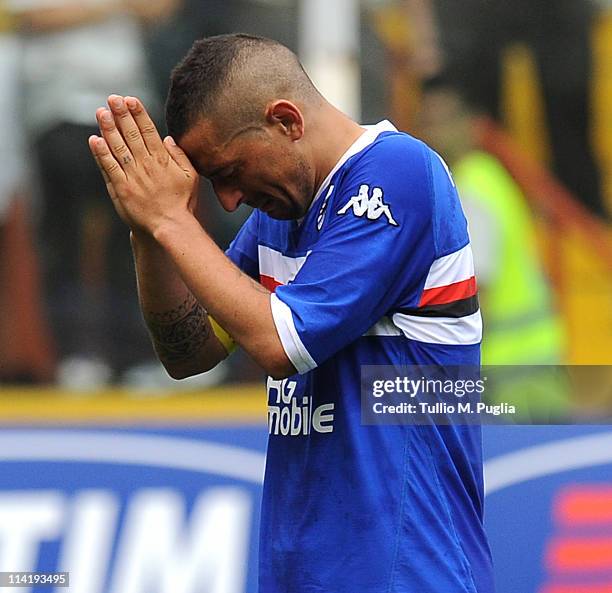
151,182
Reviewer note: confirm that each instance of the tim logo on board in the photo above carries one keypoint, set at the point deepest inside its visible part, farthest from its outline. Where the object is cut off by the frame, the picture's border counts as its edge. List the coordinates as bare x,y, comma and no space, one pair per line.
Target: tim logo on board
127,512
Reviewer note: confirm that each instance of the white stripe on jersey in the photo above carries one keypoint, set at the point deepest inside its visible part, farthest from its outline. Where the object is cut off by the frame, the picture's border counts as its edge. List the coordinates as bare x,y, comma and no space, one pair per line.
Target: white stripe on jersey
385,327
449,331
292,344
451,268
275,265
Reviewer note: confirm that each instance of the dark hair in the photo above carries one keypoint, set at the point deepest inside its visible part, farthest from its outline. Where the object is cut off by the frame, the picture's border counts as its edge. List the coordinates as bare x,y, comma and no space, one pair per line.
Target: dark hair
198,80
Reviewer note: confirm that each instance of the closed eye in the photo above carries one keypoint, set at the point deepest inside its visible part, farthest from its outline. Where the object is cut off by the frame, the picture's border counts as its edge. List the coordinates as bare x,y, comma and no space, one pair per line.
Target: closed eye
225,173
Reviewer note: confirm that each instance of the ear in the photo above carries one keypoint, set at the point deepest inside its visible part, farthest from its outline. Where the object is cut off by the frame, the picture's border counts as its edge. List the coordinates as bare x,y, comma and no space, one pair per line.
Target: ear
288,116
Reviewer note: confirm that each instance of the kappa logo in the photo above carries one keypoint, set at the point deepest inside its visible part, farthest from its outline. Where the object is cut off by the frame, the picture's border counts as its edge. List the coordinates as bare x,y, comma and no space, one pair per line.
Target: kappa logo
370,206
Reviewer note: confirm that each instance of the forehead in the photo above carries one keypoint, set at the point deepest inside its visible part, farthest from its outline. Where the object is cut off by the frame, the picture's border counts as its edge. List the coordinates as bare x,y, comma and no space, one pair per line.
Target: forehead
204,141
210,148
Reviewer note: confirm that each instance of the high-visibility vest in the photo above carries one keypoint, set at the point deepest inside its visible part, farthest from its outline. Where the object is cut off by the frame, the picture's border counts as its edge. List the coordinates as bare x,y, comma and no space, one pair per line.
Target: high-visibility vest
520,325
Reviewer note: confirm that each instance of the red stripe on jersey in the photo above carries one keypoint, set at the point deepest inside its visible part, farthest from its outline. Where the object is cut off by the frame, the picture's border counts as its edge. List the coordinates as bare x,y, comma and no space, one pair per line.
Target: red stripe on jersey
269,282
440,295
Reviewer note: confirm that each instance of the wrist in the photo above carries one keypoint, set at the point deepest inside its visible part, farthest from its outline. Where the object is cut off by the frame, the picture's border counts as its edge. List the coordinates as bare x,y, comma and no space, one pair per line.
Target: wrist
175,230
142,238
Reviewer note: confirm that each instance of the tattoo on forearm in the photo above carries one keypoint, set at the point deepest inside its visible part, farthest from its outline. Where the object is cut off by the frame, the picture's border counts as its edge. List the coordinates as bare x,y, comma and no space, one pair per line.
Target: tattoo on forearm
180,333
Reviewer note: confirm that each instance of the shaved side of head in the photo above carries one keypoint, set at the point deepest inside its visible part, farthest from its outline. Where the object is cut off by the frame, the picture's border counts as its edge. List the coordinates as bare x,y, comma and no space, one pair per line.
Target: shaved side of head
230,79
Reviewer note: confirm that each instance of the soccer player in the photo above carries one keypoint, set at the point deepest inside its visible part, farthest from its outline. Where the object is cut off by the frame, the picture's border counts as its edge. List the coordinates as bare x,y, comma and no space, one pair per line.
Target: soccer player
357,253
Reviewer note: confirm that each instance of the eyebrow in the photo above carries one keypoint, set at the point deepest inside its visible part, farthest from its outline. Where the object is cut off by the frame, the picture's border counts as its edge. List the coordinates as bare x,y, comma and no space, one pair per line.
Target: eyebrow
216,170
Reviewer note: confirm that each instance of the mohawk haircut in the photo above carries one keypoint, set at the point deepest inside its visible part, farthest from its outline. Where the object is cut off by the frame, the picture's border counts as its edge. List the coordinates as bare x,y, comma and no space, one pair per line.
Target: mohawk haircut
202,81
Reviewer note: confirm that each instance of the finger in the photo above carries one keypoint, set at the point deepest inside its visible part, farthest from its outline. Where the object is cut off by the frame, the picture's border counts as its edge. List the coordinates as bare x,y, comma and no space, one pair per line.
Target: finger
178,156
114,140
109,186
145,124
92,141
127,126
109,167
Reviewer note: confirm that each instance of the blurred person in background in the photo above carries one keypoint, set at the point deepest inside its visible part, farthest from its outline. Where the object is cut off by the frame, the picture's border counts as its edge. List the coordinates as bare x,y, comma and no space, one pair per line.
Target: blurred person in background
522,328
468,38
26,354
72,53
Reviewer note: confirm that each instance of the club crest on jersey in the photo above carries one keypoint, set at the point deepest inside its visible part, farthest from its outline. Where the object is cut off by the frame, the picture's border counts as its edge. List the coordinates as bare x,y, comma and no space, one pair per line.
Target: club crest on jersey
369,204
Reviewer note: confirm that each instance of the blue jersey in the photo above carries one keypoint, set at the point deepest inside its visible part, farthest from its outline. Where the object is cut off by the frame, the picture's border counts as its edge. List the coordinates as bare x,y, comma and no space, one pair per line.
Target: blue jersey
378,272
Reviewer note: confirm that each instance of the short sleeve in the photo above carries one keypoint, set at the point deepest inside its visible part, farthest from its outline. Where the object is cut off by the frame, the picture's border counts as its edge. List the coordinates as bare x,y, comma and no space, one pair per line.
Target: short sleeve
243,249
372,257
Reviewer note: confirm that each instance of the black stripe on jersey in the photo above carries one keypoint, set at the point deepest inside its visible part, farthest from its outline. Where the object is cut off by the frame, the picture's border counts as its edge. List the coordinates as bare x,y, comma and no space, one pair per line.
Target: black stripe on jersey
460,308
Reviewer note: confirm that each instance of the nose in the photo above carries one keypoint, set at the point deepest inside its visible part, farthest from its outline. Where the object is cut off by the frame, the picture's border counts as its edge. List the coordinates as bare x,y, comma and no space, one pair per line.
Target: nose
229,197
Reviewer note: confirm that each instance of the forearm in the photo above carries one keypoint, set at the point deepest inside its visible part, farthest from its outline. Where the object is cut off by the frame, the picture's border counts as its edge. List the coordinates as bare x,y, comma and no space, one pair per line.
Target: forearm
178,324
236,301
153,187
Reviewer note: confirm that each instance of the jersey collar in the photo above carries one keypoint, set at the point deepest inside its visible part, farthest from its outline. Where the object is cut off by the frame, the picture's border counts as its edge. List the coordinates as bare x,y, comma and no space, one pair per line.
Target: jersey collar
370,134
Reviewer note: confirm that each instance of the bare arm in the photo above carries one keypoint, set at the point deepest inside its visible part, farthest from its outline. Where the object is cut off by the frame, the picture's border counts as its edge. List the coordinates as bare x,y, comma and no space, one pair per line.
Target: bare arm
152,185
178,324
241,305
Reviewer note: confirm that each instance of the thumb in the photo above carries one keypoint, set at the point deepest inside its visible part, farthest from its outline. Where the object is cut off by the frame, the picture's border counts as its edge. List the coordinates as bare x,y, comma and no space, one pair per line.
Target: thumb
177,154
